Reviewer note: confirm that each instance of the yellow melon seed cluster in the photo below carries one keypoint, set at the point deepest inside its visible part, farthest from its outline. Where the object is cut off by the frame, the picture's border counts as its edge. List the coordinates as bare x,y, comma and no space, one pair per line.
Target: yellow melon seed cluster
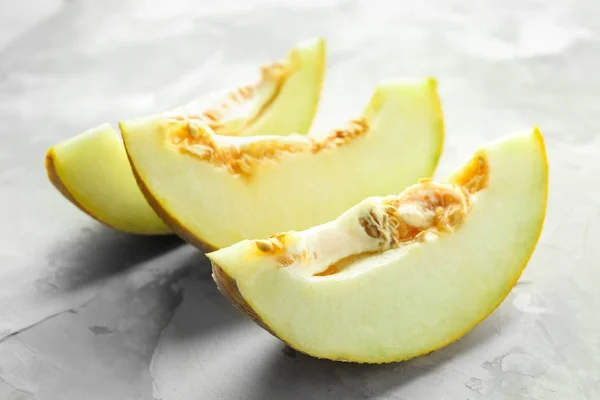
217,117
198,140
437,209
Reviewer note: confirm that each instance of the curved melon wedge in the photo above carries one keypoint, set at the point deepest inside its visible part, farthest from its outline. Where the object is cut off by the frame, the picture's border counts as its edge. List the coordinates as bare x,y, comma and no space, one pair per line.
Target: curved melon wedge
398,276
283,100
93,172
215,190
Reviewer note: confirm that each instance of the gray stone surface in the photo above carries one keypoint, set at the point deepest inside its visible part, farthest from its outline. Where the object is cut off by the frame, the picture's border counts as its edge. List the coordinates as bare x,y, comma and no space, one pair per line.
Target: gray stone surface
88,313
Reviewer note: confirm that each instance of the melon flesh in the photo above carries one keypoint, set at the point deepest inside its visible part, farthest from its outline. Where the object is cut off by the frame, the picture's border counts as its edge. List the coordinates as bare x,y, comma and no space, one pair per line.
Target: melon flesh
93,172
335,291
215,190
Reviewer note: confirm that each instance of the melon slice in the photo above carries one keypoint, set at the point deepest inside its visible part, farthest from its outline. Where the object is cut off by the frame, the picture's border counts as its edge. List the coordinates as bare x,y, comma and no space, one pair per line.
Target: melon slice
398,276
216,190
92,170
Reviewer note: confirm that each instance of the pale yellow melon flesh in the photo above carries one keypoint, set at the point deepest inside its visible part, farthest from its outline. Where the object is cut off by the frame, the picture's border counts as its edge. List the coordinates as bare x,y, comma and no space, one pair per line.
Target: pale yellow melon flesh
93,172
397,140
396,302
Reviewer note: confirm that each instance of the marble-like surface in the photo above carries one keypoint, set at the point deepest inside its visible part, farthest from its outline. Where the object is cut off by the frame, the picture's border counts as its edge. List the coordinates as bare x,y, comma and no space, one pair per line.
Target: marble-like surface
88,313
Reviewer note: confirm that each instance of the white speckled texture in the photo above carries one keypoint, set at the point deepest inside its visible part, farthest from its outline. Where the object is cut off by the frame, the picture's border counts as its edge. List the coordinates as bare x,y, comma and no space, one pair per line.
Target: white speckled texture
98,312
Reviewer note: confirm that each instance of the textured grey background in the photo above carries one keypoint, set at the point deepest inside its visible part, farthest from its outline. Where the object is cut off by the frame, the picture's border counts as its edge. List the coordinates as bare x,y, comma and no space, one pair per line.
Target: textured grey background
87,313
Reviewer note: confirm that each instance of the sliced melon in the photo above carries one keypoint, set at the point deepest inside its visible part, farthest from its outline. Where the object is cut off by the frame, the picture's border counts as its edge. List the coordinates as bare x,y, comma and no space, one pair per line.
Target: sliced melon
216,190
92,170
398,276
